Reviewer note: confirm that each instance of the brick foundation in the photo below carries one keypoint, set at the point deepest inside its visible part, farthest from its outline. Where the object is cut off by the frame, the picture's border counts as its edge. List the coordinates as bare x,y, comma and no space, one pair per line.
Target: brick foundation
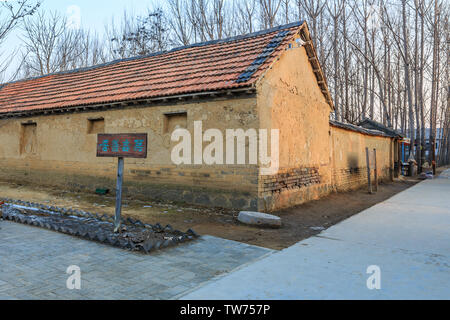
289,179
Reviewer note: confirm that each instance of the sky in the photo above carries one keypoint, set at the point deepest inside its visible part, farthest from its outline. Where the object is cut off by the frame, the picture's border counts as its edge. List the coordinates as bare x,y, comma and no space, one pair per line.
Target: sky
93,15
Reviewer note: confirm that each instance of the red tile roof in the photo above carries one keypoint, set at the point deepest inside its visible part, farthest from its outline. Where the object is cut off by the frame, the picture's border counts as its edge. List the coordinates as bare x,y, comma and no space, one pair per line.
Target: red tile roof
211,66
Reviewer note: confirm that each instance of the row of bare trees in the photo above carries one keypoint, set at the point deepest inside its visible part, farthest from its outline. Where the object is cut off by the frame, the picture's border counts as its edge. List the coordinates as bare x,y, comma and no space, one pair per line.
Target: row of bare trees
384,60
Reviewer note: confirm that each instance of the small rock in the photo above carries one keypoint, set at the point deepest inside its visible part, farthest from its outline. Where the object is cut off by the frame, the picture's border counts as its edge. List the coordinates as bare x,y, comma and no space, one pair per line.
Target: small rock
259,219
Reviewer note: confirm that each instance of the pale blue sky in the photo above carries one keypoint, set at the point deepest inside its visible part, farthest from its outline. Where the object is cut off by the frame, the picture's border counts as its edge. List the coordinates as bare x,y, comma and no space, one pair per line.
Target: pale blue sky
94,15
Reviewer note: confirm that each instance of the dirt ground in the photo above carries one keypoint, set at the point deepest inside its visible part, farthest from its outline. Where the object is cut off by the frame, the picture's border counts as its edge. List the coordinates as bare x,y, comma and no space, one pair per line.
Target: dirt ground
299,223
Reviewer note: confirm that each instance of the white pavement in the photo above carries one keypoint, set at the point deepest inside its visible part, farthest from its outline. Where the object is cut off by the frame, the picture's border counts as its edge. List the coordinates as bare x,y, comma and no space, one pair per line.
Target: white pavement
407,237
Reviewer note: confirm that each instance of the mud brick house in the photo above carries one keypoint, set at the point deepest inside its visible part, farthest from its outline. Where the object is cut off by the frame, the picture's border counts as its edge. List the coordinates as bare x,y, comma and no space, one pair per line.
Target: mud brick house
266,80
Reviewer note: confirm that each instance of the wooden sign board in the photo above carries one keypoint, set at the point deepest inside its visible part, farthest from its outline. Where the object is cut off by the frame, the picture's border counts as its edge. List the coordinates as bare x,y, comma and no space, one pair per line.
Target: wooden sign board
130,145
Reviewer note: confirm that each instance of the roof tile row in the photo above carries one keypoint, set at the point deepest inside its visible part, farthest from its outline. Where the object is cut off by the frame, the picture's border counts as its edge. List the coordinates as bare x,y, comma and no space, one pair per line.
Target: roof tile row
225,64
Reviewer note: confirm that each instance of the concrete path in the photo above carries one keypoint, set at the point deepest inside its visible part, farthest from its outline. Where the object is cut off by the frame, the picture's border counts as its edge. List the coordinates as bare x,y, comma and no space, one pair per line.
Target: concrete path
406,238
33,264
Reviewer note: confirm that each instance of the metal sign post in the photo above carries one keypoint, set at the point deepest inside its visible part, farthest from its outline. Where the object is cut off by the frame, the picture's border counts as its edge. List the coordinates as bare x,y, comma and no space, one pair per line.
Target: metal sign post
121,146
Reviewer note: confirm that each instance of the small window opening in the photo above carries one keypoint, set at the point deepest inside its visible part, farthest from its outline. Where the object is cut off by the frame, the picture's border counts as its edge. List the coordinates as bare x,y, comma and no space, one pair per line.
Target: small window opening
96,126
28,139
175,120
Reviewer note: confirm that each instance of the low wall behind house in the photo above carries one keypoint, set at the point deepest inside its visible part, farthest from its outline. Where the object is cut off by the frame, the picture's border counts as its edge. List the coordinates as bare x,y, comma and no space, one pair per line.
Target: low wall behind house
348,154
346,170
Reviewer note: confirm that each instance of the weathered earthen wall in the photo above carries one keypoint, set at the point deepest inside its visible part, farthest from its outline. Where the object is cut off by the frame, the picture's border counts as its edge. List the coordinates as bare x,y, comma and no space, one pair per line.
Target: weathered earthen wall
64,154
289,99
349,167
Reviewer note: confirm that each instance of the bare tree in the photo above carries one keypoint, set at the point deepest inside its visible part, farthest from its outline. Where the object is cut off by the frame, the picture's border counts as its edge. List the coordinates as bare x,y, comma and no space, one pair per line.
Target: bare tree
434,79
92,49
314,10
444,147
286,6
180,26
335,11
374,59
246,11
269,10
51,46
406,59
12,13
42,39
138,35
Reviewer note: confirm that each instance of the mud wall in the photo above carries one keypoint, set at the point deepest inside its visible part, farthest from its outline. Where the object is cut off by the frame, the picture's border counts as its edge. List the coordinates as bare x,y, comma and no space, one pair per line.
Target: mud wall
289,99
349,164
60,150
